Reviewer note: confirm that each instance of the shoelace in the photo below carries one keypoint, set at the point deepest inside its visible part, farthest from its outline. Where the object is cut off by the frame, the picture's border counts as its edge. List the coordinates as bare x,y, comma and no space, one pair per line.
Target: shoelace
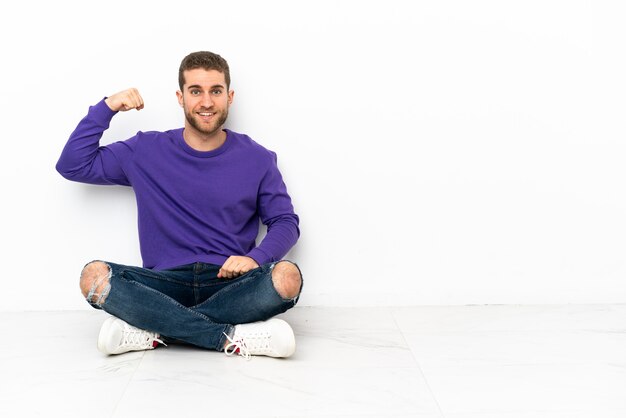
138,338
237,346
249,344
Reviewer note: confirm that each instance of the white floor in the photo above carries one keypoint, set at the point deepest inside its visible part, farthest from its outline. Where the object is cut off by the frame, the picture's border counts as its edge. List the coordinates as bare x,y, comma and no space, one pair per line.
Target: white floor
472,361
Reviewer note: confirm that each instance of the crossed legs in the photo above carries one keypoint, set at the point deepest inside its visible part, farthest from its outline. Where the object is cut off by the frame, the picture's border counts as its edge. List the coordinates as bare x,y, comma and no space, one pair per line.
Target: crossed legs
145,299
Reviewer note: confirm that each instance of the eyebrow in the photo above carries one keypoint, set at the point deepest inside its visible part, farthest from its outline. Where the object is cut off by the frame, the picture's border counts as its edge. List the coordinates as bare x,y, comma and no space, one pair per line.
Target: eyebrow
196,86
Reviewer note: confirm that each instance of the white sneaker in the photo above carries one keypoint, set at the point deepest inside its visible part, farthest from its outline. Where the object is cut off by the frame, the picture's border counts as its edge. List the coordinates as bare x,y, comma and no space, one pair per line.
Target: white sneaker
117,336
273,338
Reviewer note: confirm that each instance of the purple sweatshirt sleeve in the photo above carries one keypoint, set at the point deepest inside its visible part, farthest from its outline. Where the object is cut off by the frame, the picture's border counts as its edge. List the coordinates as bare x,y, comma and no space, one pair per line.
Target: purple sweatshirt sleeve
276,212
84,160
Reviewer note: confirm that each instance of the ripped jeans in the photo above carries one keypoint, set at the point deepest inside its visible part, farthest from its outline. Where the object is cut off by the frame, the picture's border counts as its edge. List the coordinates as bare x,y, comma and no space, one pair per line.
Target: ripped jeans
189,303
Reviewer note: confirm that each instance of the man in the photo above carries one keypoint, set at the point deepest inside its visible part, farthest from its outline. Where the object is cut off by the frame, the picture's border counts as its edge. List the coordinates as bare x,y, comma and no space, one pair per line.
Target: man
200,193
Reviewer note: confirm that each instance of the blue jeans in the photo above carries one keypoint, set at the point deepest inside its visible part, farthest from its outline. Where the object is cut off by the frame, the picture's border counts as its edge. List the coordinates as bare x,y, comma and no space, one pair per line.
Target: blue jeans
189,303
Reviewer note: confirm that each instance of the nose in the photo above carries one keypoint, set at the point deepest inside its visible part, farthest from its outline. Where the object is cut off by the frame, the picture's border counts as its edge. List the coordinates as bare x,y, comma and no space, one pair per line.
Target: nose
206,100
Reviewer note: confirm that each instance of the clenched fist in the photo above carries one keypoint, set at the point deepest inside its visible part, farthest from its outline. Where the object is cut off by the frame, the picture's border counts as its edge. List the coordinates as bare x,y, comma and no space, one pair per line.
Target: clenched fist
125,100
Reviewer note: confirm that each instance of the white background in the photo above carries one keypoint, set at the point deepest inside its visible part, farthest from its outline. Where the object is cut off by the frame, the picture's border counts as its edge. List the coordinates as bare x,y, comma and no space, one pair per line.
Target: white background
442,152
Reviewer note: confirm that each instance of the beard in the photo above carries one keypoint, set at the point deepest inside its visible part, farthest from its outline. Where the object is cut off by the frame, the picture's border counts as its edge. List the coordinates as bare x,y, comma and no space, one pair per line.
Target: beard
207,129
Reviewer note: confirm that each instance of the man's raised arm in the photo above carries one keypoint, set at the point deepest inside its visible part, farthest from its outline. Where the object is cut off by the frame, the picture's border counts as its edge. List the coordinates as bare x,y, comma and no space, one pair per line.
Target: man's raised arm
83,159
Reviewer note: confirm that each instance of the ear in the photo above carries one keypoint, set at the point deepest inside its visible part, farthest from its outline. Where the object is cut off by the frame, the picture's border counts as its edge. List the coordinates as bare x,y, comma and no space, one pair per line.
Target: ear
231,95
179,95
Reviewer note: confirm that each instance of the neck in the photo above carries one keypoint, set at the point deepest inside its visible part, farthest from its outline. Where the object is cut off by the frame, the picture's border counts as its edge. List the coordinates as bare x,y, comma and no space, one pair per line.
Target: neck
201,141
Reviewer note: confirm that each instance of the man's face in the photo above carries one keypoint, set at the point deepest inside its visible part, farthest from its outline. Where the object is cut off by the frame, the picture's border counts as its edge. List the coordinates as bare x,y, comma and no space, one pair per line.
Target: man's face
205,100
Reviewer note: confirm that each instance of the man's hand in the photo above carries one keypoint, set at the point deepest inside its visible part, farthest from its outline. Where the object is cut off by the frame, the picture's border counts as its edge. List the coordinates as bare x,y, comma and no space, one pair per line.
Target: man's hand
125,100
235,266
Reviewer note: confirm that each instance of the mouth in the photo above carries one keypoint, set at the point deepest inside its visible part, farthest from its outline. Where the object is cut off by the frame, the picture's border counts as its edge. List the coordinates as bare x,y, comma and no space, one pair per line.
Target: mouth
206,115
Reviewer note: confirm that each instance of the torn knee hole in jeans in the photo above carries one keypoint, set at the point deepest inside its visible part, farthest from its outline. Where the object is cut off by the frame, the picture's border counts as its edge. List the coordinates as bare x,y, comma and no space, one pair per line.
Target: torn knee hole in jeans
100,287
287,280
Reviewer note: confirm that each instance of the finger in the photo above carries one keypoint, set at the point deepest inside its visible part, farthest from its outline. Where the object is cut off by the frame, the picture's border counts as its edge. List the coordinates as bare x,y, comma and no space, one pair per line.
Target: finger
134,100
237,268
245,268
138,100
227,266
125,100
128,103
226,269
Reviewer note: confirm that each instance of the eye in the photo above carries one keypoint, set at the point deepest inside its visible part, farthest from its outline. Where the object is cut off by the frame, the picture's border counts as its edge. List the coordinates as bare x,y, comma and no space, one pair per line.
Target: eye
217,91
195,92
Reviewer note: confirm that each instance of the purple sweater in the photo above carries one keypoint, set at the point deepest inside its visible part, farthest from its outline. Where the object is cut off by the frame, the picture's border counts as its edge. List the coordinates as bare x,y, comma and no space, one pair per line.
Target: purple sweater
193,206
